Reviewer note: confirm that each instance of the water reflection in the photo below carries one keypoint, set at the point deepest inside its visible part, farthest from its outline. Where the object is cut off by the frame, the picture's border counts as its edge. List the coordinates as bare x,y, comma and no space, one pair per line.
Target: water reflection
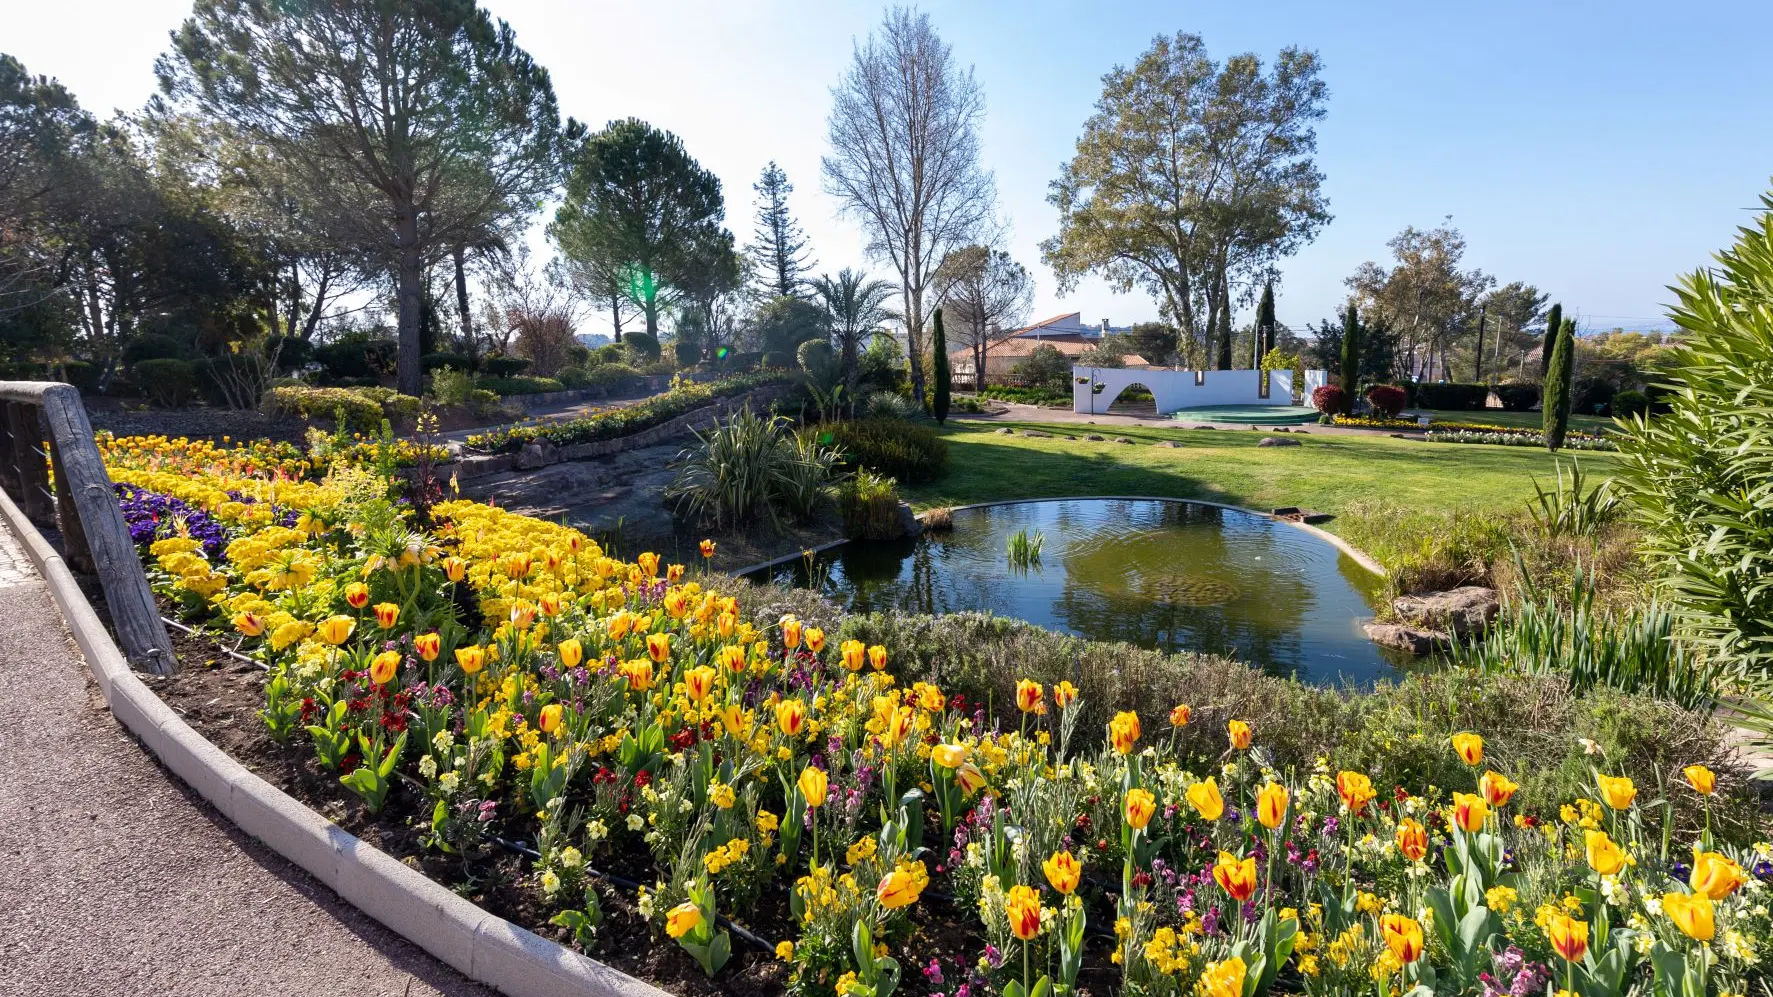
1171,575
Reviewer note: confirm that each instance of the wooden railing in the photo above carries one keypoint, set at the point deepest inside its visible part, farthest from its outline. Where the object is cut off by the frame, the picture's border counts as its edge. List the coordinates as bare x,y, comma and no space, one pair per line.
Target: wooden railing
51,467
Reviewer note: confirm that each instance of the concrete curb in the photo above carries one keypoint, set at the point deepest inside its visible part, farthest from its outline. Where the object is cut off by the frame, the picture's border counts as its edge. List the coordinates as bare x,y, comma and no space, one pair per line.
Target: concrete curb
483,947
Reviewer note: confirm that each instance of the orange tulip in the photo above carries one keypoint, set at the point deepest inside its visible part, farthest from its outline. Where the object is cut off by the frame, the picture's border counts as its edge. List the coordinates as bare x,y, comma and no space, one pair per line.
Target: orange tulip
1497,788
707,548
1180,715
1469,747
1064,694
1030,697
1204,797
1403,935
790,632
1237,877
1356,791
1715,875
1412,839
387,614
1240,734
1271,805
1140,805
1022,907
1703,780
1469,812
427,646
1568,936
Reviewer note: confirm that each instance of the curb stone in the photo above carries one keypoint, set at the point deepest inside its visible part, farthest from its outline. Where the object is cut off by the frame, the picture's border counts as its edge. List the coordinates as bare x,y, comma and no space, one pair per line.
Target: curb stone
486,948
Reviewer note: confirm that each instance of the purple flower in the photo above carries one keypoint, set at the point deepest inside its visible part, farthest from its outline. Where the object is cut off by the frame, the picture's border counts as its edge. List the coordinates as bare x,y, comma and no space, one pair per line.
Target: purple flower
933,972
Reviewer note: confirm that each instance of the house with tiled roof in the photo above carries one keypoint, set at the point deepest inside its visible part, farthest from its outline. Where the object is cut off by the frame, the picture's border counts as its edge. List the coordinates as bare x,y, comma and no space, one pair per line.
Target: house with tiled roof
1066,333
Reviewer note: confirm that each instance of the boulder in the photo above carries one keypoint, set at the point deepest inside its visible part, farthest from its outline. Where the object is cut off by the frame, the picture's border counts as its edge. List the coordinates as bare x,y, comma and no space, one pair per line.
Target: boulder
1122,439
1095,437
1006,431
1035,432
1276,441
537,453
1402,638
1468,609
909,524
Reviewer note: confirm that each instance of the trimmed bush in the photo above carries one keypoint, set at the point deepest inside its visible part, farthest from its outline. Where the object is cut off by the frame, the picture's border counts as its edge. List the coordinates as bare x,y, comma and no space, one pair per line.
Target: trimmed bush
433,361
361,412
572,377
167,381
642,348
901,450
520,385
1594,396
617,422
357,359
1327,398
1458,397
609,375
1387,399
1629,403
505,367
153,346
1519,397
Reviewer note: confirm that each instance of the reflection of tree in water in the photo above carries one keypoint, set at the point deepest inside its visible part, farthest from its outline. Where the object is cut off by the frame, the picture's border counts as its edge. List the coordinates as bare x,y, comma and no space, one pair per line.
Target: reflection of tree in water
1181,577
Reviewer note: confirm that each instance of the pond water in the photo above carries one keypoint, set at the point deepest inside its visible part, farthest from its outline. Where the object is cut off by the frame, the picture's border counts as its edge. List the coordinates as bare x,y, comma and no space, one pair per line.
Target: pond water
1178,576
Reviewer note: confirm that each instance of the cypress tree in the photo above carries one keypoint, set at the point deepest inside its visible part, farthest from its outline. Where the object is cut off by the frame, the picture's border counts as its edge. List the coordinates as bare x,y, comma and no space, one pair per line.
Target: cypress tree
1554,323
944,376
1351,358
1265,323
1558,379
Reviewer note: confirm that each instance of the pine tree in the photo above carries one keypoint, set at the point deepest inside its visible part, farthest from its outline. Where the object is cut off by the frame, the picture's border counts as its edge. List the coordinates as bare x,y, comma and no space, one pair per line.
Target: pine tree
1351,359
1558,379
1265,323
1554,322
944,376
779,246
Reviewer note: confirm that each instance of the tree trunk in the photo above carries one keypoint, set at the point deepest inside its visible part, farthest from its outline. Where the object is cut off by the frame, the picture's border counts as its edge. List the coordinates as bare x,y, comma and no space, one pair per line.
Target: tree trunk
1224,320
615,311
409,291
1478,354
651,307
467,317
850,336
914,340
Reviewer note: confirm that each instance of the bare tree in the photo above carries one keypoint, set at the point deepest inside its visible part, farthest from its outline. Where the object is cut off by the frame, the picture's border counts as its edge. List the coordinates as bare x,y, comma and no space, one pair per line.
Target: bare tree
982,291
531,305
905,158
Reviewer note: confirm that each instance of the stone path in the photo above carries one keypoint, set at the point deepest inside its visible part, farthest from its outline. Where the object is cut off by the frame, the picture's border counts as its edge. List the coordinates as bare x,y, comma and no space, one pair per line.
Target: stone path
117,881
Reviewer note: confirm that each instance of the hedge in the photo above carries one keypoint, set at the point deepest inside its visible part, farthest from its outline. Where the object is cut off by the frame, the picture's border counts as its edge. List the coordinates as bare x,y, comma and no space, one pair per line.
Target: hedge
613,423
1447,395
519,385
363,408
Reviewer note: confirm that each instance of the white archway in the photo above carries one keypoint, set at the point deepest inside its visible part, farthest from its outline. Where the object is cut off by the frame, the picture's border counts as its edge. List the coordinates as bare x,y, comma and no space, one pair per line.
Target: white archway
1094,389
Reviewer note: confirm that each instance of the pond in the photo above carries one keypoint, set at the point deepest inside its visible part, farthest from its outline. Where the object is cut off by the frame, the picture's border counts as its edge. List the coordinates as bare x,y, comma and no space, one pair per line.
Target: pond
1174,575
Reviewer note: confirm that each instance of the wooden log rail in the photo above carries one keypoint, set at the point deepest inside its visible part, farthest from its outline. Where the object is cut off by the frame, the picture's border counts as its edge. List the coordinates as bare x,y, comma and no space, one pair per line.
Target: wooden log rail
51,466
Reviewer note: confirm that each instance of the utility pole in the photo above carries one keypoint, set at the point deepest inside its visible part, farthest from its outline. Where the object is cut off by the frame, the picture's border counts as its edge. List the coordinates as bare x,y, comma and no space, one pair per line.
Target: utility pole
1479,378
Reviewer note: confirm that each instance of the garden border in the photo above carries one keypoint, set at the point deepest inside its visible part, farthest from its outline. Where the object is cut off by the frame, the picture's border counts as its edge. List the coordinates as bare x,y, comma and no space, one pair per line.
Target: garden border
484,947
1359,556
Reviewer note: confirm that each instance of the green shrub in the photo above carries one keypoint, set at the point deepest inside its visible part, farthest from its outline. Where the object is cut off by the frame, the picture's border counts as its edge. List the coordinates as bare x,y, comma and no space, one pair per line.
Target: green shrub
519,385
609,353
1028,395
609,375
904,451
451,385
314,404
167,381
436,361
870,506
1559,397
620,421
153,346
746,468
1518,397
641,348
573,377
505,366
1630,403
357,358
1458,397
890,405
1044,367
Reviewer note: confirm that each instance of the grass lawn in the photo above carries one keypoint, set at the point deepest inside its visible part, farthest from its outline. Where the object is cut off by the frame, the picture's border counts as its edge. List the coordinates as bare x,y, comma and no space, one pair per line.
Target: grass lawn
1525,420
1329,473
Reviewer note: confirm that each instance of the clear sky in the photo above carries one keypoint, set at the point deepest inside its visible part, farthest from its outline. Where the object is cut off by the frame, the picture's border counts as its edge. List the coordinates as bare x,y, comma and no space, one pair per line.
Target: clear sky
1597,150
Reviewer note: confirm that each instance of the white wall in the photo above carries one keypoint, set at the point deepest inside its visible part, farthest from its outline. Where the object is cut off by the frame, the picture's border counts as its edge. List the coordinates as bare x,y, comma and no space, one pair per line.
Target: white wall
1180,389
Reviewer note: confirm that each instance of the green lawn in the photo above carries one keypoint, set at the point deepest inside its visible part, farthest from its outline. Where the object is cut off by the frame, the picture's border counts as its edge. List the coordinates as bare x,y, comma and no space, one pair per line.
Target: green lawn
1330,473
1525,420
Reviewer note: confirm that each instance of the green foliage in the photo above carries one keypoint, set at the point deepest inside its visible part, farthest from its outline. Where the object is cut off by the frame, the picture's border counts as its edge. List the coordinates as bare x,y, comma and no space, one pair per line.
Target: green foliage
1449,395
1045,367
1629,403
623,421
153,346
572,377
944,376
519,385
1569,509
1554,328
436,361
1351,359
1024,549
904,451
1518,397
504,366
1557,387
642,348
749,467
360,411
451,385
1700,473
1030,396
890,405
869,503
166,381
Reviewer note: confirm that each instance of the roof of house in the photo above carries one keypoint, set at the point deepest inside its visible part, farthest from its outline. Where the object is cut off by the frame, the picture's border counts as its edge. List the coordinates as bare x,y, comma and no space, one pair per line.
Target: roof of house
1069,345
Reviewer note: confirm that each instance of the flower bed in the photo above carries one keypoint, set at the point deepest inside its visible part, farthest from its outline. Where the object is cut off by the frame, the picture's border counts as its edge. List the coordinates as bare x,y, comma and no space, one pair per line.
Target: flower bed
683,397
540,724
1441,426
1517,438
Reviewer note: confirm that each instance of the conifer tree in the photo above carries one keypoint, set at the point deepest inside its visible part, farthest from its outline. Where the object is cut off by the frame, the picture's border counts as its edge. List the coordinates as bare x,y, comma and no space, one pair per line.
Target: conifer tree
1558,379
779,245
944,375
1351,358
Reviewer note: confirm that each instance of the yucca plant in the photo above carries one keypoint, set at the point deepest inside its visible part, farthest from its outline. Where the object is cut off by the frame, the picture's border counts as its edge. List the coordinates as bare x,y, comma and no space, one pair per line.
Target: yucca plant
734,471
1571,510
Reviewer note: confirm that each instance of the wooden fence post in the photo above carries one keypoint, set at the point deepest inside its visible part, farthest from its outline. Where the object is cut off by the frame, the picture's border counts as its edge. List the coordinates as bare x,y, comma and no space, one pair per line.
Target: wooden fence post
33,468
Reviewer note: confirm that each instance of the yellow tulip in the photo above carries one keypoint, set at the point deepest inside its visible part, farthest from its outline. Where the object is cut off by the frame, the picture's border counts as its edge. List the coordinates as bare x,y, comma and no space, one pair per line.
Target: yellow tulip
1469,747
336,630
1412,839
550,718
1715,875
1064,694
1240,734
707,548
1356,791
1470,812
571,652
357,595
698,682
455,569
387,614
1703,780
471,659
1568,936
1237,877
1224,978
969,777
1271,805
949,756
1180,715
1022,907
813,783
1497,788
382,669
1604,854
853,655
790,632
1403,935
901,887
1123,731
1030,697
1692,913
1204,797
791,716
682,919
1616,791
1140,805
815,639
1063,872
250,624
658,647
427,646
877,657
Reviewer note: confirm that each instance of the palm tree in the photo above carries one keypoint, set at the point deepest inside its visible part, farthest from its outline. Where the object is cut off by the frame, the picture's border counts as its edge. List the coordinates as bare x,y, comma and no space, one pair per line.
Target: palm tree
856,306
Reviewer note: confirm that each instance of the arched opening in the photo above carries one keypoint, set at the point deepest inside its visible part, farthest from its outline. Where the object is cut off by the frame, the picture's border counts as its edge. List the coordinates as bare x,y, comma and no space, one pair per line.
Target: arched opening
1135,400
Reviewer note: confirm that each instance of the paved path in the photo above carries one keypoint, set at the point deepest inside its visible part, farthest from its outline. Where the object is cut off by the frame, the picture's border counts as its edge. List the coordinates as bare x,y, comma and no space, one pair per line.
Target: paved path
117,881
1019,412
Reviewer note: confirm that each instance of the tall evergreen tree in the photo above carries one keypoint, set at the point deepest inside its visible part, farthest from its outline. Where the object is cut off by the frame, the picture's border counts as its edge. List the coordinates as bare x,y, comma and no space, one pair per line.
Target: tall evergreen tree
1559,377
1554,327
779,245
1351,358
1264,324
944,375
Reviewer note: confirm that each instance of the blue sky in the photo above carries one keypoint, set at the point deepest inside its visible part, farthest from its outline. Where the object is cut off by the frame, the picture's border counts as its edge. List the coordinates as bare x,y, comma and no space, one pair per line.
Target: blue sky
1597,150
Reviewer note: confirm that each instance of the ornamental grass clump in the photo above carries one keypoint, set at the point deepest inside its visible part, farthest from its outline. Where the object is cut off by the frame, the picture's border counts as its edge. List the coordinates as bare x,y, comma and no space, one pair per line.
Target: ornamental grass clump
488,677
